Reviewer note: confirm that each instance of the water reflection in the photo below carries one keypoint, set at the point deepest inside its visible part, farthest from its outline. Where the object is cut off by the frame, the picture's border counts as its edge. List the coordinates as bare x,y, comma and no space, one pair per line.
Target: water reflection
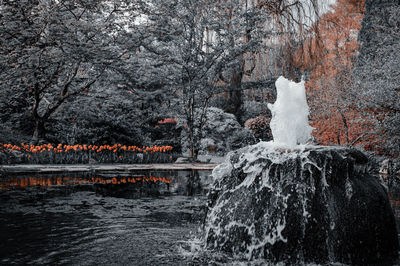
140,219
46,181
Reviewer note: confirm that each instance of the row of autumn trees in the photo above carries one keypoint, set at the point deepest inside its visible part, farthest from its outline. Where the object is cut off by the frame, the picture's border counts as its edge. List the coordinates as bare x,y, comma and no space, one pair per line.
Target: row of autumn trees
353,76
329,57
93,71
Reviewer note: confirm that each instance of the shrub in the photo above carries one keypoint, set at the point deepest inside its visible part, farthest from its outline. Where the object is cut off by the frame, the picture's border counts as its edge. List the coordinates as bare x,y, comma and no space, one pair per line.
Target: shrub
260,127
82,154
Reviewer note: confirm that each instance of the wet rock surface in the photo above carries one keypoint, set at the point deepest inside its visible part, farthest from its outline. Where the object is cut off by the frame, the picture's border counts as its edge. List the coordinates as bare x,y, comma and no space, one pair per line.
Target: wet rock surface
313,205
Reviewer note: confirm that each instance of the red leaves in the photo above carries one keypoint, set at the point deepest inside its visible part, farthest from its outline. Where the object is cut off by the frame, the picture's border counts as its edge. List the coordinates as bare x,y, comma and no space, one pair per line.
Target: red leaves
168,121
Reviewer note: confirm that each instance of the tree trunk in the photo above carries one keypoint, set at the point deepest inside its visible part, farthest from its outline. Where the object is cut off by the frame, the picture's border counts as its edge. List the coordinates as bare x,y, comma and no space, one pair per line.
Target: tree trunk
39,132
235,101
191,119
193,142
193,153
346,126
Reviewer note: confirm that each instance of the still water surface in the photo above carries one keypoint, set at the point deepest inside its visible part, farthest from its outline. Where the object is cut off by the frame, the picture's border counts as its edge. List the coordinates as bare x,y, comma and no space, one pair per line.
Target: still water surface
140,219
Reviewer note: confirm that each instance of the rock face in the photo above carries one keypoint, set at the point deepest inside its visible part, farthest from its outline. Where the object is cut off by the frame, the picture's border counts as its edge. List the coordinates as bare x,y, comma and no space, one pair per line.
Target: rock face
317,204
221,133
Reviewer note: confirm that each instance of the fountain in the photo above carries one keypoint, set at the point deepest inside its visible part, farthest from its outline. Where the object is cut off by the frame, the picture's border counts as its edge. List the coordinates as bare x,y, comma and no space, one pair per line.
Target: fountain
286,201
289,123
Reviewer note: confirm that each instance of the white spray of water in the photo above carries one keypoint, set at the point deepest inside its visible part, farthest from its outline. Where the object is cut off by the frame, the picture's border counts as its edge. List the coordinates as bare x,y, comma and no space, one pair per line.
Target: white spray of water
289,123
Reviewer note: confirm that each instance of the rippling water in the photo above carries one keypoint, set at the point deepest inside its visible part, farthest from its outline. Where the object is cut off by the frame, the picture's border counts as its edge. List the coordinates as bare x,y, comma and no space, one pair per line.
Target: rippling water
140,219
77,220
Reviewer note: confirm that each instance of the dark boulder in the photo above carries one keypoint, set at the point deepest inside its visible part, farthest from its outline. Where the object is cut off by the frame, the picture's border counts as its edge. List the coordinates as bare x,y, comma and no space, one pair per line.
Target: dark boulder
316,204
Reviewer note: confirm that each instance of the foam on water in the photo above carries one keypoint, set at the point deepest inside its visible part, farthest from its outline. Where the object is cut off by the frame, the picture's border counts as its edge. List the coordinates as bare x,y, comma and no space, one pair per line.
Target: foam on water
252,163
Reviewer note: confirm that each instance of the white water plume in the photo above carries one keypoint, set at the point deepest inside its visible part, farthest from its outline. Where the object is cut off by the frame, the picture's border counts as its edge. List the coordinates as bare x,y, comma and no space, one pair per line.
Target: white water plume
289,123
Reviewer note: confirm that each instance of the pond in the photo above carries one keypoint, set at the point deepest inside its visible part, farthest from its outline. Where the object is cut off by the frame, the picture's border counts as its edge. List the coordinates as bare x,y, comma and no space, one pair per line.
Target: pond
140,219
145,218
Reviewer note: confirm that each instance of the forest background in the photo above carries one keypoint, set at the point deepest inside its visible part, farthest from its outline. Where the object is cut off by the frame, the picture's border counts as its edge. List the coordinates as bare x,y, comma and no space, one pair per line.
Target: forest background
154,72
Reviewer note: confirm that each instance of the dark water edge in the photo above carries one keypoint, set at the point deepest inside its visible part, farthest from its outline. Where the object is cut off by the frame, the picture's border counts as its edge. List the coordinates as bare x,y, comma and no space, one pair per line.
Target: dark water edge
112,220
44,221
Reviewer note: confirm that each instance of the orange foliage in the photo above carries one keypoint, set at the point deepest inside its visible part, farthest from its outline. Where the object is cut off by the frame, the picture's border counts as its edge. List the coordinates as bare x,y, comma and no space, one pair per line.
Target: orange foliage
332,131
329,57
336,46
